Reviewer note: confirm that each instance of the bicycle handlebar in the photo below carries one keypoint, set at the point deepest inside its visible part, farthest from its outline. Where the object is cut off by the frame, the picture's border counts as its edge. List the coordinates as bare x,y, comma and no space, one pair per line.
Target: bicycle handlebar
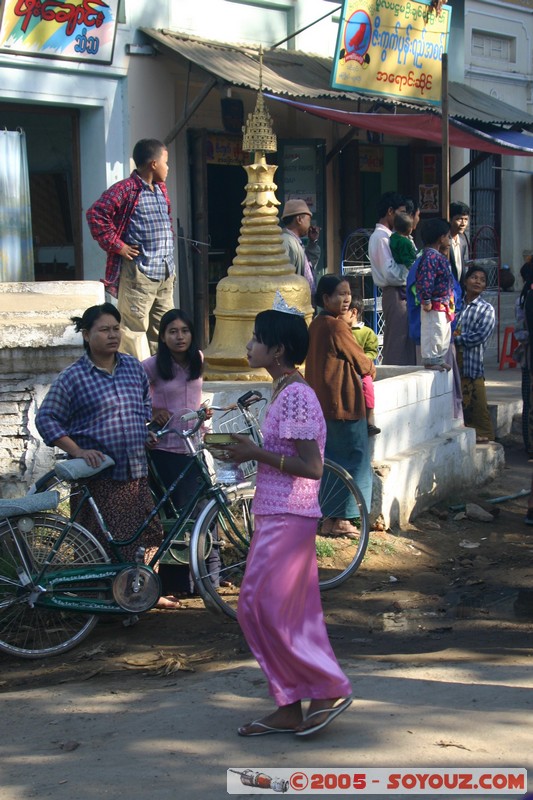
244,402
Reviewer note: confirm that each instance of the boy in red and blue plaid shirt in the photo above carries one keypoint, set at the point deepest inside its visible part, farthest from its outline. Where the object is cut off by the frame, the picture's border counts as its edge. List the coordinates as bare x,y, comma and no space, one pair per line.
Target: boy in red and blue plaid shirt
132,222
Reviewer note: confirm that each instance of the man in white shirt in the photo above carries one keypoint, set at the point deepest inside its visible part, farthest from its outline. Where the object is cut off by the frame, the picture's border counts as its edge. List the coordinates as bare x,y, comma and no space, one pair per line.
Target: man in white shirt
398,348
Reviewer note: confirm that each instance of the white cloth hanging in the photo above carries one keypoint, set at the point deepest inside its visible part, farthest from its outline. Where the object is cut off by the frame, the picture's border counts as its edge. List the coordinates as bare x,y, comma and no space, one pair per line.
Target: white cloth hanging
16,245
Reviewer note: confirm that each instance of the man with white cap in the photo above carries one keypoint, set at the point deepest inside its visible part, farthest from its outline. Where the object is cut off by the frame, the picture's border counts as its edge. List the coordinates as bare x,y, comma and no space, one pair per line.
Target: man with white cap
296,217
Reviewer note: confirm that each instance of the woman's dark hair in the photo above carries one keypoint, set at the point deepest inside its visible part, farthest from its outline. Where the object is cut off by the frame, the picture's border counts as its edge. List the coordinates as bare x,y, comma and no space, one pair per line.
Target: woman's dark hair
91,315
274,328
526,273
433,229
164,360
327,285
470,271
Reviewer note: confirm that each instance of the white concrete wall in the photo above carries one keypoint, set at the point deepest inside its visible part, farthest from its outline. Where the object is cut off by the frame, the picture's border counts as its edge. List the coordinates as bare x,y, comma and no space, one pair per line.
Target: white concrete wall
236,21
421,456
511,82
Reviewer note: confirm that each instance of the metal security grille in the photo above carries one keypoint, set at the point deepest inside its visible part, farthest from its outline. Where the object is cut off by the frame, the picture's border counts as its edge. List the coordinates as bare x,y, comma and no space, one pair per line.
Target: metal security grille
485,220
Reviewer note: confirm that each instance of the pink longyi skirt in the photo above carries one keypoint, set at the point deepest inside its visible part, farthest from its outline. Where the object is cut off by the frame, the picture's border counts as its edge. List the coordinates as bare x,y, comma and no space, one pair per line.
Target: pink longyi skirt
280,612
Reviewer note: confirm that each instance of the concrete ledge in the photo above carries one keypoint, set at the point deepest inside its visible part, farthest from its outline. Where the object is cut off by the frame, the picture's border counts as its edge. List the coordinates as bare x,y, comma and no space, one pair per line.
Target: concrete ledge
502,416
38,314
412,481
410,406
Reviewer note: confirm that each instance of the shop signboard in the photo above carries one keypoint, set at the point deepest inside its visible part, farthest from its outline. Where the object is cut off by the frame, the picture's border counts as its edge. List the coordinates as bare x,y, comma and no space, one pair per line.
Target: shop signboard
223,148
391,47
80,30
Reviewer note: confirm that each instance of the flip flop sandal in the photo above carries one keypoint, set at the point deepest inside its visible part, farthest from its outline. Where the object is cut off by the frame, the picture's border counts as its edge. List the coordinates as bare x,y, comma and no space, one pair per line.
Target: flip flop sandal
266,729
331,714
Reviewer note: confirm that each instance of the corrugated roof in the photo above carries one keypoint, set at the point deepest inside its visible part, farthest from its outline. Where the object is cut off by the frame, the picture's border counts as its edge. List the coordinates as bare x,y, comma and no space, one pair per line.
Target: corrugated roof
470,104
289,73
295,74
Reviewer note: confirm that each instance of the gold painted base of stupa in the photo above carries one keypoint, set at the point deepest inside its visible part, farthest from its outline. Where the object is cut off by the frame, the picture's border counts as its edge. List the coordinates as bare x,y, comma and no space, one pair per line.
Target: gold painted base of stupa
260,268
239,299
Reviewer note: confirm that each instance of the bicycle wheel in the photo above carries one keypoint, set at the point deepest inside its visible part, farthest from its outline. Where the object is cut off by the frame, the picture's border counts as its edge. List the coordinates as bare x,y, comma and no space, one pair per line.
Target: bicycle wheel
229,529
25,545
339,556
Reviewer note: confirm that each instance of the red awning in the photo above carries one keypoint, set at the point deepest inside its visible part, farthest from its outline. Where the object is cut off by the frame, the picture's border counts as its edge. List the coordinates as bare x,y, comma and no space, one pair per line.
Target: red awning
426,126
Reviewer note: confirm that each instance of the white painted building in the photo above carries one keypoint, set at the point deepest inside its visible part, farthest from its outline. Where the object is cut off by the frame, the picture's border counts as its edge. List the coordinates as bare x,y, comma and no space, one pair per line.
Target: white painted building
498,60
82,119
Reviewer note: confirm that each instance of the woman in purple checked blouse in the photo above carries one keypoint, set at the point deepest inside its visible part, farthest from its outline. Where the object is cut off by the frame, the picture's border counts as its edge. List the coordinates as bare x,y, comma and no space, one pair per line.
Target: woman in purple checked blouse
100,405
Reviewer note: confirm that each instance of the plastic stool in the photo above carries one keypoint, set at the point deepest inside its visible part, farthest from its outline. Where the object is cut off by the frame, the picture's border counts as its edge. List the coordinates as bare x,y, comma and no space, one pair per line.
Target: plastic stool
509,346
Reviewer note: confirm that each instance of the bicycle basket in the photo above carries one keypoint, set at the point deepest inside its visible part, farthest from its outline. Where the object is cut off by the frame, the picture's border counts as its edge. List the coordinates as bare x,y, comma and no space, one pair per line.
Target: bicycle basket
235,421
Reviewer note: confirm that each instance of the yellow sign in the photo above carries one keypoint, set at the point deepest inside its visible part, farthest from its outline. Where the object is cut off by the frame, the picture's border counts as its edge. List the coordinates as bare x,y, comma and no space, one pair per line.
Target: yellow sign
370,158
80,30
223,148
391,47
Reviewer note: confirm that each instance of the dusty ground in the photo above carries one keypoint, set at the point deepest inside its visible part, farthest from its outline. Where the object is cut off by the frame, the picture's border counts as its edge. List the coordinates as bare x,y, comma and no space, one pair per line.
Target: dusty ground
442,584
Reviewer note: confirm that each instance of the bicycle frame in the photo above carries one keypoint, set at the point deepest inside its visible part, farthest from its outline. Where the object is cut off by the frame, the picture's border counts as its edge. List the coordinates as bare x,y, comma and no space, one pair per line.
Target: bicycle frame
90,579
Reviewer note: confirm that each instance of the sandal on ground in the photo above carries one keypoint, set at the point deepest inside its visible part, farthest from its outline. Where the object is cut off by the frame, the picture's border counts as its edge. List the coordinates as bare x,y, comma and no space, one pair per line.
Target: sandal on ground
264,729
331,713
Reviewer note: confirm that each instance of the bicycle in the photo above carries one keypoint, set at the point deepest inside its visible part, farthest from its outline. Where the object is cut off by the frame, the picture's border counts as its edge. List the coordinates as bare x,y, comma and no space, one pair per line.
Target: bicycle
338,558
56,578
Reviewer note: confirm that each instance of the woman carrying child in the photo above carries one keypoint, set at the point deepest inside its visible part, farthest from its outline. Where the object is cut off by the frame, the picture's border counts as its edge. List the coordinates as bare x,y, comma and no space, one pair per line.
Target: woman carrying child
368,340
334,367
280,610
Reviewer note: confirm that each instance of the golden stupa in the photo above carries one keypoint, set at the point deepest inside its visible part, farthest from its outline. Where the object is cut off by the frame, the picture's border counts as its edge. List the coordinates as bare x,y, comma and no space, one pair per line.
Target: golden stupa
260,266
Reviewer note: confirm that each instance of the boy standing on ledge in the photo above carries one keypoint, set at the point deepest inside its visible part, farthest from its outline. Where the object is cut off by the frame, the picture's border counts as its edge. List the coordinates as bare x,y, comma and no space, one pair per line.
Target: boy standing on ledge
132,222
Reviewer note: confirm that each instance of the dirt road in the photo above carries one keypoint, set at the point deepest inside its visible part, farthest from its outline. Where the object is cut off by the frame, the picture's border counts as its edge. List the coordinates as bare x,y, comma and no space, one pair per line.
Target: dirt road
435,631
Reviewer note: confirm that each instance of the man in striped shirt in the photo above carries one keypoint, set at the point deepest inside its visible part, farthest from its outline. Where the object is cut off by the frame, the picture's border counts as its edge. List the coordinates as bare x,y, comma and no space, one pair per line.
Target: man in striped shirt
131,221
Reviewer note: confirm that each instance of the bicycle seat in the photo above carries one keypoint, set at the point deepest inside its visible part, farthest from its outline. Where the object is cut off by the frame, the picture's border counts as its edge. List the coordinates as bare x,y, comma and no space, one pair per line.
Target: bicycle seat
30,504
75,468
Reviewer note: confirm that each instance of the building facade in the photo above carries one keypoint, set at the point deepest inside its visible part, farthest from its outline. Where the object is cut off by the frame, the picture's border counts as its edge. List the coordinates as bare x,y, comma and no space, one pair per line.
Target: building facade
82,118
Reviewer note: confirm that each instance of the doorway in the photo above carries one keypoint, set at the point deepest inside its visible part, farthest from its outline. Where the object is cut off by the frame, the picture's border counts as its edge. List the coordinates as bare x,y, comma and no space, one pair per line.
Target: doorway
218,183
52,140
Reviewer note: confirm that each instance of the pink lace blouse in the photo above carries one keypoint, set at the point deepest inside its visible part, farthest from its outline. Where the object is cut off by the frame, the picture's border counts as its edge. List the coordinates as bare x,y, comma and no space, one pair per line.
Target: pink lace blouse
294,414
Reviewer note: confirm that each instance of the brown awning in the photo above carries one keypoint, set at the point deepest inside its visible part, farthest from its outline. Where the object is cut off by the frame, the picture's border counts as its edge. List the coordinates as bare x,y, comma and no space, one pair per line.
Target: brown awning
299,75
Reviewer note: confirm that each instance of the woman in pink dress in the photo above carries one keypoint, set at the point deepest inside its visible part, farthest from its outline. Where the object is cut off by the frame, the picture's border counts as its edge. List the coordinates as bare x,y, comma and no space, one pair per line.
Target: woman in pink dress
280,610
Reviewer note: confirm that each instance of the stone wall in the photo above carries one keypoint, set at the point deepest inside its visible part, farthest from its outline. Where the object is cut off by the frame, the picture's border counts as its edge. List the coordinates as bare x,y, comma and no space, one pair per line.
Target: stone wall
422,454
37,341
25,377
